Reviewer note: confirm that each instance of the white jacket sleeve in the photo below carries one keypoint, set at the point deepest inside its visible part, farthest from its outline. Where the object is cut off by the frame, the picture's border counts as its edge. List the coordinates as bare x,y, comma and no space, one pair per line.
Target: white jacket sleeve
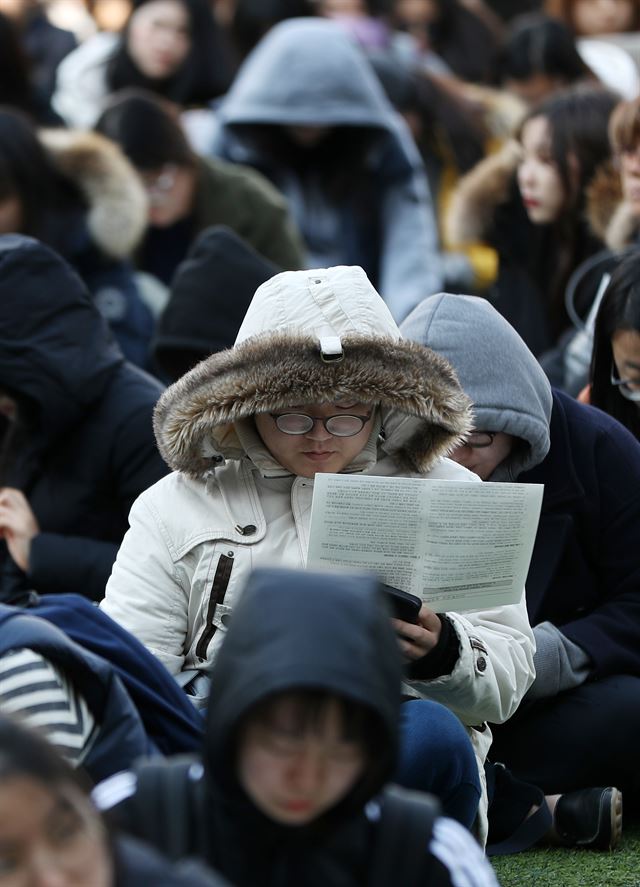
81,81
146,592
494,668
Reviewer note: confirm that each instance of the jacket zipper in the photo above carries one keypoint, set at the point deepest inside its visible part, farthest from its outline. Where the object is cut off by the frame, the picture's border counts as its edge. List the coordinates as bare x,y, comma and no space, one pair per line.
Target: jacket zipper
218,591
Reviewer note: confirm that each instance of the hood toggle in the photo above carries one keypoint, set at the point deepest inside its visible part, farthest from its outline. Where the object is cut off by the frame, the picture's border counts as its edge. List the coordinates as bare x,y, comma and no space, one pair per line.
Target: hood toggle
331,349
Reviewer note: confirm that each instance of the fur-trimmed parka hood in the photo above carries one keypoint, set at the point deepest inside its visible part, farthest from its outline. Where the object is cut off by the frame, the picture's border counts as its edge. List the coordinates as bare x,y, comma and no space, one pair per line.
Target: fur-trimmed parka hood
307,337
610,216
479,193
117,201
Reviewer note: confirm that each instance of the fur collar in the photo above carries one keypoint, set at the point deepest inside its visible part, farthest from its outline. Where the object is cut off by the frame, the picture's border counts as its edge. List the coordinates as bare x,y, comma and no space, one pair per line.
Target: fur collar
417,390
610,216
117,216
478,194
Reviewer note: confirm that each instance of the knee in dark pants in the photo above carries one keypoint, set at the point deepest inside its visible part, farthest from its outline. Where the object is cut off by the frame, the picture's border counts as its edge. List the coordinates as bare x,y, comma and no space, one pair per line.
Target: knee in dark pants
437,756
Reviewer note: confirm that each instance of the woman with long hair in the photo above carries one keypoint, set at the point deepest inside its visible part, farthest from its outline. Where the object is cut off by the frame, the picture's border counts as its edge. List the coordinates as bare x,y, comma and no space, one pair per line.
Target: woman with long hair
528,202
171,47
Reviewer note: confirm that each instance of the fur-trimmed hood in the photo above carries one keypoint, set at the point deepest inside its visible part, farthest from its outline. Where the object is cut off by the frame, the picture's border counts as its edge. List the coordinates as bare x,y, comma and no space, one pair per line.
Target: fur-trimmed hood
309,336
610,216
470,215
117,201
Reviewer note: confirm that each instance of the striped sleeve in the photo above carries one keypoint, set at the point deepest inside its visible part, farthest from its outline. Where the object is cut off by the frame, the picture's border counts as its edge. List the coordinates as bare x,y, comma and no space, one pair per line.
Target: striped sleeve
34,690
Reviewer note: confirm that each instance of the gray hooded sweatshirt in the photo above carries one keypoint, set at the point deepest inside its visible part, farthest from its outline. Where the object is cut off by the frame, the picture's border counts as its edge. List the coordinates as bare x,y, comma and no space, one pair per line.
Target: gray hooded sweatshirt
510,393
306,72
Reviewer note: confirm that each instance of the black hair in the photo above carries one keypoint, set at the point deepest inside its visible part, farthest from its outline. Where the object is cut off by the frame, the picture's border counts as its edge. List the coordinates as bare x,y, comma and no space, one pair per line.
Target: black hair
619,310
539,44
23,752
15,84
205,73
252,19
446,127
465,42
310,706
146,130
28,173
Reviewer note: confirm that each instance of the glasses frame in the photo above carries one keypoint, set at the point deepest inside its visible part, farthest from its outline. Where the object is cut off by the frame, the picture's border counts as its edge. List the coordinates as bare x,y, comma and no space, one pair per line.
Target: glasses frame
324,420
621,384
159,189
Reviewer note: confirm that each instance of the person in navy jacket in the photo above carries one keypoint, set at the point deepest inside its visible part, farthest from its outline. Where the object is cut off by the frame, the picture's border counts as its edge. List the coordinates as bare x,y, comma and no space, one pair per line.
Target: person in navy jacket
578,723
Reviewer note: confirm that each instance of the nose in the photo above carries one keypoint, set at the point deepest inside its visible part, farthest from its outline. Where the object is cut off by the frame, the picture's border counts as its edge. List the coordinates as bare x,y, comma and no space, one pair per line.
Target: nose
307,774
45,871
525,174
632,162
318,432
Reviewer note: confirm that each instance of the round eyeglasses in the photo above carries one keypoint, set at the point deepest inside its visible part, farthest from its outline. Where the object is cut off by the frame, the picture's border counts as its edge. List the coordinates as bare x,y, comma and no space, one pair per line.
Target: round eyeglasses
623,385
301,423
478,440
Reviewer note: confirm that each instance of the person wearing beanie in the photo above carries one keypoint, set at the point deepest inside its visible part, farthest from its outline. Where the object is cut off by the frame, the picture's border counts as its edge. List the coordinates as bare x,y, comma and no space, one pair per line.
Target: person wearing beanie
319,380
575,728
209,296
300,745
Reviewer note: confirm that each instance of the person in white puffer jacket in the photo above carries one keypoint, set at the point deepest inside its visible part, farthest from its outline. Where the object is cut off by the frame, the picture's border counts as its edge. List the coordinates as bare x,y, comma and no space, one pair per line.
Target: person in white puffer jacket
319,344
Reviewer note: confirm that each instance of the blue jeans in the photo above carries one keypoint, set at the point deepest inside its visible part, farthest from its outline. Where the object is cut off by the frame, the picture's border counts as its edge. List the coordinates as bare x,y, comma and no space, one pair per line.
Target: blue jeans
436,756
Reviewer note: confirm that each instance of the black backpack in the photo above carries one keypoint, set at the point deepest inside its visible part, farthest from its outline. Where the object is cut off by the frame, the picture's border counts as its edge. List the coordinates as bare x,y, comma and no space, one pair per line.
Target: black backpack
170,791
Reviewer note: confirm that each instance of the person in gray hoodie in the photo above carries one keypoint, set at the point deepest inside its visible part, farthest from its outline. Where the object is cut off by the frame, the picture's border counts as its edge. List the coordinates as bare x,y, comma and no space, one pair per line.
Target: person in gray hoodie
577,725
307,111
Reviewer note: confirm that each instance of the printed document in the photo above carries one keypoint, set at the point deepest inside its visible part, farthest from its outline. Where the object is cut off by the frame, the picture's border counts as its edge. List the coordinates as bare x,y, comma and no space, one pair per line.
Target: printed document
457,545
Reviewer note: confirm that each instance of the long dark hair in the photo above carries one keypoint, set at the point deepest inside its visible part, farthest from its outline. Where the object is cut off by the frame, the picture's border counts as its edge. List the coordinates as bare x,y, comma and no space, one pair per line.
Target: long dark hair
619,310
463,40
15,84
539,44
578,118
23,752
205,73
28,173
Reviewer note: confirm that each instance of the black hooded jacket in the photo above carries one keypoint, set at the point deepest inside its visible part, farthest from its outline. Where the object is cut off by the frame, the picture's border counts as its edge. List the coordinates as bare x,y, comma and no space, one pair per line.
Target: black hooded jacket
84,448
291,630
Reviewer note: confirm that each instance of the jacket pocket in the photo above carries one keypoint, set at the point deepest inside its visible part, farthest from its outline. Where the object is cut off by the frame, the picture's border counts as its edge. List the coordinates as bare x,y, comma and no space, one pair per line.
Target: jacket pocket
219,587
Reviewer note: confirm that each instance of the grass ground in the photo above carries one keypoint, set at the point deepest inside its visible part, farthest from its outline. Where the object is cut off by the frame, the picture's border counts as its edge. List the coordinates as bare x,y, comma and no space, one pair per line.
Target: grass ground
575,868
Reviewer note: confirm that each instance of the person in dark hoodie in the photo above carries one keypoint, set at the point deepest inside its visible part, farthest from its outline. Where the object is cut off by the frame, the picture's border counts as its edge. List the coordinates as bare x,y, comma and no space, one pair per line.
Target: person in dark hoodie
306,110
577,725
300,743
210,293
77,443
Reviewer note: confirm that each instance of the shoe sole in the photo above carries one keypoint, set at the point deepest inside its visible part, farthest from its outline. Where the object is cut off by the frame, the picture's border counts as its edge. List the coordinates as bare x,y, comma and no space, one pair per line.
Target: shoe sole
616,819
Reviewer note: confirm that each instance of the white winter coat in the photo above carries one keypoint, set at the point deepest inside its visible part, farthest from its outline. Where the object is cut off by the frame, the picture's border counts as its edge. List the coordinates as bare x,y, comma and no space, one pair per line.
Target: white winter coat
195,536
